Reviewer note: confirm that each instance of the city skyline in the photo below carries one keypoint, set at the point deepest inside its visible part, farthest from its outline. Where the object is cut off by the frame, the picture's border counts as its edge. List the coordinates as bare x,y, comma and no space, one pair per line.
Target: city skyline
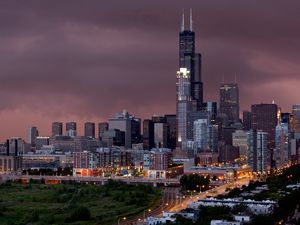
83,56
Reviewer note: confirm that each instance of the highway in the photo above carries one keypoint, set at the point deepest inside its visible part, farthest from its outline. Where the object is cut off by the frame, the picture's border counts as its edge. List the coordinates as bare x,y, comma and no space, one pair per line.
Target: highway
173,201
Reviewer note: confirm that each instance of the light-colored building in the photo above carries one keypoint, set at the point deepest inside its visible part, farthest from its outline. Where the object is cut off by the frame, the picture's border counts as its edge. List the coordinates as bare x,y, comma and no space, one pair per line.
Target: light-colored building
240,139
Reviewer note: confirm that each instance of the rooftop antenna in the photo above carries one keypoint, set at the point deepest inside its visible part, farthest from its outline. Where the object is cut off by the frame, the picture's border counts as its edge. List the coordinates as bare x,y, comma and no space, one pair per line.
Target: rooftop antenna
182,23
191,20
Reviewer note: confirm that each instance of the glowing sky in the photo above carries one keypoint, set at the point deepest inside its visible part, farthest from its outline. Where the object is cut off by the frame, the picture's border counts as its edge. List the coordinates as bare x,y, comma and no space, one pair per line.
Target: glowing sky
85,60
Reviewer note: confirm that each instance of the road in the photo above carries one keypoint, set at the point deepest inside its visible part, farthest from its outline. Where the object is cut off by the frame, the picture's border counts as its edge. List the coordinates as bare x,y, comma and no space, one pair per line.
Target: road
173,201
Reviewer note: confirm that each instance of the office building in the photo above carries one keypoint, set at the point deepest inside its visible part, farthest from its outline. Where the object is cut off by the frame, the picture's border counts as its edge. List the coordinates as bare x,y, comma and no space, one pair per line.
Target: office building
102,127
264,117
259,156
128,124
229,101
246,120
192,62
41,141
71,129
32,134
89,129
240,140
296,118
148,134
113,137
171,122
183,105
201,135
57,129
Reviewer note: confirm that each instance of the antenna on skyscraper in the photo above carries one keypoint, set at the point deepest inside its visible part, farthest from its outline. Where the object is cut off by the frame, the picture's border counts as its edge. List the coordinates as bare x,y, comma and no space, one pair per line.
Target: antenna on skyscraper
182,23
191,20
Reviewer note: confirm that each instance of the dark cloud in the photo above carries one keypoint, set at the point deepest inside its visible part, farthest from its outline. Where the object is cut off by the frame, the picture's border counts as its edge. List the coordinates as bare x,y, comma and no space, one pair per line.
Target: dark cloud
89,59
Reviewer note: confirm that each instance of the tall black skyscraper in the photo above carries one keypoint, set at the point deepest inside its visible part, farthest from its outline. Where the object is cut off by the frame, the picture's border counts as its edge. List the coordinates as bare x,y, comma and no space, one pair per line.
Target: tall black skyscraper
189,84
192,61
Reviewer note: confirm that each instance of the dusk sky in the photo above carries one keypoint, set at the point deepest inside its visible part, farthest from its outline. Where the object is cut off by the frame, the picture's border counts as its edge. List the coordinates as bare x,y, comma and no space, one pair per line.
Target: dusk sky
85,60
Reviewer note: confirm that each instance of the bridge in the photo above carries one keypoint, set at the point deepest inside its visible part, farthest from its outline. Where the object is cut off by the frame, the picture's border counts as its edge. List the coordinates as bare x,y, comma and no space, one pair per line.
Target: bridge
93,180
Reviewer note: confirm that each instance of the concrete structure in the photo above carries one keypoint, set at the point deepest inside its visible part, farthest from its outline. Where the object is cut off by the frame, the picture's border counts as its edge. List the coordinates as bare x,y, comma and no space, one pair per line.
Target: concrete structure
240,140
10,163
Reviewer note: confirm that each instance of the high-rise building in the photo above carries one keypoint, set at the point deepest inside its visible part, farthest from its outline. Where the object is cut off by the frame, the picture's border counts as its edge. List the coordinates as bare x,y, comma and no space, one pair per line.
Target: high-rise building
282,139
240,139
296,118
89,129
191,61
32,134
183,105
201,134
171,122
229,101
57,129
148,134
264,117
130,125
246,120
71,129
102,127
258,153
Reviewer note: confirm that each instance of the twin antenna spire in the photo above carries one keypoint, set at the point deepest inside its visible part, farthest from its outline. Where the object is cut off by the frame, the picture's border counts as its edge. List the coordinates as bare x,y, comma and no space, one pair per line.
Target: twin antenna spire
191,21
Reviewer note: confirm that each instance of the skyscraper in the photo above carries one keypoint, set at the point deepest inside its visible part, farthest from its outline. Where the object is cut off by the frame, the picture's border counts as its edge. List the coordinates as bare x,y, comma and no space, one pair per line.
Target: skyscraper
264,117
246,120
229,101
57,129
191,61
71,129
89,129
296,118
102,127
183,105
32,134
128,124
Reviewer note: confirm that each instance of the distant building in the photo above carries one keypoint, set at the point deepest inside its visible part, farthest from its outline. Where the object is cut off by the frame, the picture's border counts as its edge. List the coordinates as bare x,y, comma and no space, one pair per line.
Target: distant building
71,129
102,127
264,117
10,163
113,137
57,129
296,117
259,157
32,134
89,129
229,101
201,133
240,140
183,105
246,120
130,125
40,141
148,134
171,139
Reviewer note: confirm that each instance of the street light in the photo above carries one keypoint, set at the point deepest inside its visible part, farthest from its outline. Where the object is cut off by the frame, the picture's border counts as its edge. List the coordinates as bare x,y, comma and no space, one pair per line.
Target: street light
124,218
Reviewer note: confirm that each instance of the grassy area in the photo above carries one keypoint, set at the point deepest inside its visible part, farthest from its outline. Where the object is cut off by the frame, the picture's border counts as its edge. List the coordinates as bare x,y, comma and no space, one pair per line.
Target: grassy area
73,203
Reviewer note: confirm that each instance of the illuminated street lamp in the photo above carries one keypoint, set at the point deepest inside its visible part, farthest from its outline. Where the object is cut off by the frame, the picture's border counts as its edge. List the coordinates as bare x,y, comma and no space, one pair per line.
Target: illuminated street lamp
124,218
